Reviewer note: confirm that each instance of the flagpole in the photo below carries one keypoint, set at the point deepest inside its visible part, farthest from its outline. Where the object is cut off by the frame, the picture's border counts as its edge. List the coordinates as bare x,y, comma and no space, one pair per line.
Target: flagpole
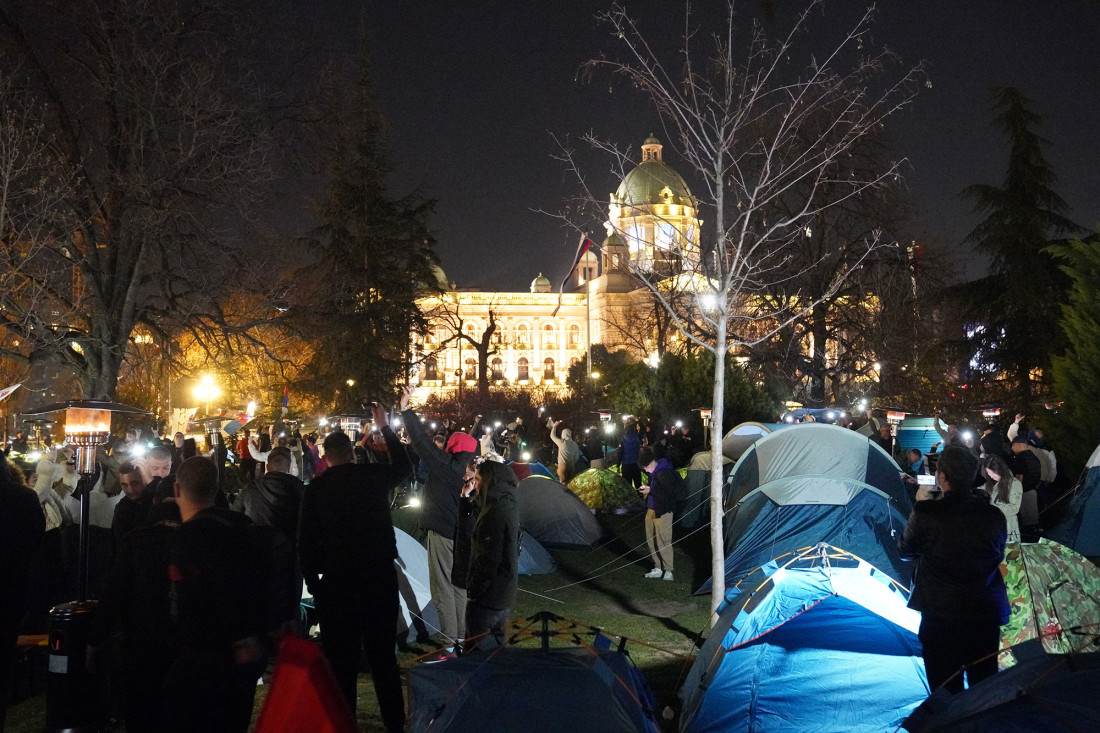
588,322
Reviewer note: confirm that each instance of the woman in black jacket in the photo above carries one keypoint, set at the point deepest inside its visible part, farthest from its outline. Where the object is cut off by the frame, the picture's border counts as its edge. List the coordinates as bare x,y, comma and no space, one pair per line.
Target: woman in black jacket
494,557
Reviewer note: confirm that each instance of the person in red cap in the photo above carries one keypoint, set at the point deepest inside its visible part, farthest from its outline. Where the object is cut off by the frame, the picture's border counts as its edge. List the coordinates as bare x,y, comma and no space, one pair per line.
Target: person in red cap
439,502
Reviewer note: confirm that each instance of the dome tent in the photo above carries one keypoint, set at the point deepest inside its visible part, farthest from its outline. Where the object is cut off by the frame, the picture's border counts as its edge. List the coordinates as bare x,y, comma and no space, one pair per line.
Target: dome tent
554,515
581,684
1080,527
811,483
824,642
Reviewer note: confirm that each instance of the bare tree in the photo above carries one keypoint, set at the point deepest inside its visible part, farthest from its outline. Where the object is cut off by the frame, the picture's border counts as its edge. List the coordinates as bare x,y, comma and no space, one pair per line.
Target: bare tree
766,134
147,134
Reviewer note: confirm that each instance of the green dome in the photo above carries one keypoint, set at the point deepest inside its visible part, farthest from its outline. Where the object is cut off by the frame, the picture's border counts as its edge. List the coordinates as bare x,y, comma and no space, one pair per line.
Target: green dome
613,240
644,185
540,284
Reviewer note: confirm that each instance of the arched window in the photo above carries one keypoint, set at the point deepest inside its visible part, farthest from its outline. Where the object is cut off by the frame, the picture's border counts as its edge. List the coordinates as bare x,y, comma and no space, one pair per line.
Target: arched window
431,369
549,337
574,361
471,369
548,368
497,368
523,336
521,369
470,329
574,335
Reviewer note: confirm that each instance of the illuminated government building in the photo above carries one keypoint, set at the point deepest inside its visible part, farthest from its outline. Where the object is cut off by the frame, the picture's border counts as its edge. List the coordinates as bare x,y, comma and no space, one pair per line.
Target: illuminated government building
652,226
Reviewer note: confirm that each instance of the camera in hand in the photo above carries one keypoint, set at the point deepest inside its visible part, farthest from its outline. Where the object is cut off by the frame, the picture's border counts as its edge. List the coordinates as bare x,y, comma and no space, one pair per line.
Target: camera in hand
925,479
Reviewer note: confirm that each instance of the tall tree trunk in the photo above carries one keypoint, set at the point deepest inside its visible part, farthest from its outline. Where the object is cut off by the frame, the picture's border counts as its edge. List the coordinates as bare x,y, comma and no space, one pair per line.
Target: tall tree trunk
717,518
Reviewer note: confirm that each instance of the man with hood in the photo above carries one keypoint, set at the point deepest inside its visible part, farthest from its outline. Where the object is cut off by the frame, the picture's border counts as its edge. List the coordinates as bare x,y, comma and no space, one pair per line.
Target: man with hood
494,556
660,500
439,517
568,452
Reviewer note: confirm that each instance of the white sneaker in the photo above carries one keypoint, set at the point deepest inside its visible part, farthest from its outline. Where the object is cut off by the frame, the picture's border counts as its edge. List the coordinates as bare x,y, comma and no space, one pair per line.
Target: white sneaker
654,573
668,575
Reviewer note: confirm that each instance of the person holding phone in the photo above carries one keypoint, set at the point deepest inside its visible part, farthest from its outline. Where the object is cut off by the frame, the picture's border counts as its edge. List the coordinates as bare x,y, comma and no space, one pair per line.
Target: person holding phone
958,540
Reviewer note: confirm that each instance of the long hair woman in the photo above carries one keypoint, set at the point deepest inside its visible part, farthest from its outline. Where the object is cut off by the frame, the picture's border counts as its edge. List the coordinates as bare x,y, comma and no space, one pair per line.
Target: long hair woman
1004,490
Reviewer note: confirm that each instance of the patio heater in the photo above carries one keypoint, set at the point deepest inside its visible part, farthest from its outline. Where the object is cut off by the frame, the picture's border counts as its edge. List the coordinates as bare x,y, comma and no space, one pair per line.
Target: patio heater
75,699
211,427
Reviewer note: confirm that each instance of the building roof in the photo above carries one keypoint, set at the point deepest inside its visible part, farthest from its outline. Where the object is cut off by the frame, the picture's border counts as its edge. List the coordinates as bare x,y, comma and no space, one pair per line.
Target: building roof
647,183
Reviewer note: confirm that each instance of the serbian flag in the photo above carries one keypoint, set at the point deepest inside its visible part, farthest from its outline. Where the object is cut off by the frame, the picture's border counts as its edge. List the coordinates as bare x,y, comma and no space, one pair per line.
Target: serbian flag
8,390
286,398
584,245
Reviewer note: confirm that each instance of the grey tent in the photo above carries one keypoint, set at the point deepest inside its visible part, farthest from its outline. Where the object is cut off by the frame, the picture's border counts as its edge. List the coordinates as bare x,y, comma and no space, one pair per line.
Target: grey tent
695,510
738,440
812,483
554,515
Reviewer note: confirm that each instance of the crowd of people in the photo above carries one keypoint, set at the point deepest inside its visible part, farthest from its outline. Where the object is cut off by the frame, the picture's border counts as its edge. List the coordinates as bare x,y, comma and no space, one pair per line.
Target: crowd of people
198,564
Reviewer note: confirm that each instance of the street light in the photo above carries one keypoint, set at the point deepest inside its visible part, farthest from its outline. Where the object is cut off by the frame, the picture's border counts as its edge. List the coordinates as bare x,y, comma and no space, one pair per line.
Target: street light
206,391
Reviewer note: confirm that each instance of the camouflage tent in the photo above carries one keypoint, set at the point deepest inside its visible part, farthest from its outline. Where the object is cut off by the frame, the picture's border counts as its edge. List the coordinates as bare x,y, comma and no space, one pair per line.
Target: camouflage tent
600,488
1055,596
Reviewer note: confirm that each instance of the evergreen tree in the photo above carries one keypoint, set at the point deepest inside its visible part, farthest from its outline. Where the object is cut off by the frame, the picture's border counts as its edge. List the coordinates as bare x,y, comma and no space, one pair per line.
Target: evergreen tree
377,254
1017,304
1076,373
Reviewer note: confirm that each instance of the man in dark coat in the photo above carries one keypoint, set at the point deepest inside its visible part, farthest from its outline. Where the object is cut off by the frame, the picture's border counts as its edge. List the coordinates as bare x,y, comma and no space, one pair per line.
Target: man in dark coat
133,508
226,603
494,557
346,535
136,598
1028,470
958,542
22,525
274,499
439,516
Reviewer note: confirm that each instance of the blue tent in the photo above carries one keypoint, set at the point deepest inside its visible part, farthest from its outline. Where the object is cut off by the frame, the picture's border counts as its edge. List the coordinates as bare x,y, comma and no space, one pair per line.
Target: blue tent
533,557
813,483
825,642
1080,527
918,432
1054,693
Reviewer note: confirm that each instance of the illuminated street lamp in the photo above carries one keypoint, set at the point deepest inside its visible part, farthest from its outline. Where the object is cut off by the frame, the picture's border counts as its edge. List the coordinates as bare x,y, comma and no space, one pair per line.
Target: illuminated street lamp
206,391
74,699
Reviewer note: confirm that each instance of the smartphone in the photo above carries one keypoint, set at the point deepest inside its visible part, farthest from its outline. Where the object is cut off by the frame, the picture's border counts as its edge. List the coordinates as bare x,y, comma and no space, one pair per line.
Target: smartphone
924,479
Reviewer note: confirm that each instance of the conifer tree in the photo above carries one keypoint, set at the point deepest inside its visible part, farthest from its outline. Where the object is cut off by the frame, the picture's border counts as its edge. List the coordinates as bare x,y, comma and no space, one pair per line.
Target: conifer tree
377,253
1076,373
1016,305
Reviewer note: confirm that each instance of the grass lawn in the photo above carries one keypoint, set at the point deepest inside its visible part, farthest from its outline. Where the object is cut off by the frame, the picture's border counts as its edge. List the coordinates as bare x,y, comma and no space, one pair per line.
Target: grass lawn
601,587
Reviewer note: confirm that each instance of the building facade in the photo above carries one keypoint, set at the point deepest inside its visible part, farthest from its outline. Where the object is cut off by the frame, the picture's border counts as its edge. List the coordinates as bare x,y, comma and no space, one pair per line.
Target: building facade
652,228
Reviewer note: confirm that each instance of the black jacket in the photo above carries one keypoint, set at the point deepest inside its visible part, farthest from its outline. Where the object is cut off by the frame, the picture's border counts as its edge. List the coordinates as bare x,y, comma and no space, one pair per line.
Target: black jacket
345,520
1026,464
275,500
958,543
439,501
494,551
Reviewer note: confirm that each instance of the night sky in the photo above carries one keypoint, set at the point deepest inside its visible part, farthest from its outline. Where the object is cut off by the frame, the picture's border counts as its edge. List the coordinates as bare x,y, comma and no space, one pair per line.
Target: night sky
474,92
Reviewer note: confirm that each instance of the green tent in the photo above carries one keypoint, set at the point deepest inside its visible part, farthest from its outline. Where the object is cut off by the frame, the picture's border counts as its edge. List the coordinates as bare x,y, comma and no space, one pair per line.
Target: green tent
1055,596
602,489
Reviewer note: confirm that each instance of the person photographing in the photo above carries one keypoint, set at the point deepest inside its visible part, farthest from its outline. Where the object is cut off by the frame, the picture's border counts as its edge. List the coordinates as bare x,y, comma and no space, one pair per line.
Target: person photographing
957,539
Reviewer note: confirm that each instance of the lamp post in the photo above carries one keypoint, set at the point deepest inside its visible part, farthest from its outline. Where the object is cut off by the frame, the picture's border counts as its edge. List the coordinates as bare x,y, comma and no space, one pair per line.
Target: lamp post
74,696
